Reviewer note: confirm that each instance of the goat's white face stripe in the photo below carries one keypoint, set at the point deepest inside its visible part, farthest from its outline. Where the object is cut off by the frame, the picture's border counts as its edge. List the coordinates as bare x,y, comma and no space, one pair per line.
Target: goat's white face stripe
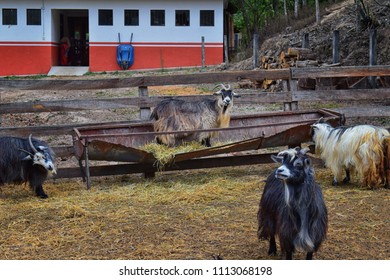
283,172
42,160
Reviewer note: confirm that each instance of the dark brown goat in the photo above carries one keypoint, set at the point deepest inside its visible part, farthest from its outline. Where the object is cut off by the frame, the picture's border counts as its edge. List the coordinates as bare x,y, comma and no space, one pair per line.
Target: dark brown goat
292,206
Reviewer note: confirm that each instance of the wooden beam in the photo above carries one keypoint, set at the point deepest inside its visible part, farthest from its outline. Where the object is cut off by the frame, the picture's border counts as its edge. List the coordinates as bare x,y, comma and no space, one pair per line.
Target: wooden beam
117,103
337,95
161,80
345,71
120,169
51,130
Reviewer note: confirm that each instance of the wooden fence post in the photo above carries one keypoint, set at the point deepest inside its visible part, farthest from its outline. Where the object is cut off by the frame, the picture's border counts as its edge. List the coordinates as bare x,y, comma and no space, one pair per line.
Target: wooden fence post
336,46
255,49
373,54
290,85
203,53
293,87
144,113
226,48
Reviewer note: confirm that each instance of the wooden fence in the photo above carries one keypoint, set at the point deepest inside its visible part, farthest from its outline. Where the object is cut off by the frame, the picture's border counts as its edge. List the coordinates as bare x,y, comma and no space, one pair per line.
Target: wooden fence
291,96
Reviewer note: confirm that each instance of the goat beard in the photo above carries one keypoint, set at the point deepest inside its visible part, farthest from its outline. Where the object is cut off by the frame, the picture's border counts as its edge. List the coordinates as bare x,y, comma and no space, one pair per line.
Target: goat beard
225,107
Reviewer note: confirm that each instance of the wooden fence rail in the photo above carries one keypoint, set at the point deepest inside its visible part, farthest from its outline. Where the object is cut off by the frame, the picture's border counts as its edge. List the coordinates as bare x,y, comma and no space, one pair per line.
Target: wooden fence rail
161,80
290,96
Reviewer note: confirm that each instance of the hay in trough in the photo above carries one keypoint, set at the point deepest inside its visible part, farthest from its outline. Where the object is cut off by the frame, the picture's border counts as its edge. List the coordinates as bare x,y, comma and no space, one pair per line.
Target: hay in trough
165,155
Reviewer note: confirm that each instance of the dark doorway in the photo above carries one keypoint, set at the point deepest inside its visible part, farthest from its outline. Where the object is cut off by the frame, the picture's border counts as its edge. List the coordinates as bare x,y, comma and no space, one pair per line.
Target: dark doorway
79,41
73,35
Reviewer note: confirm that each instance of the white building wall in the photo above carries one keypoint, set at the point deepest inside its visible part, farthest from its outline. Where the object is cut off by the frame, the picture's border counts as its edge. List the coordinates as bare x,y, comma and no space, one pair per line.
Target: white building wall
48,31
22,32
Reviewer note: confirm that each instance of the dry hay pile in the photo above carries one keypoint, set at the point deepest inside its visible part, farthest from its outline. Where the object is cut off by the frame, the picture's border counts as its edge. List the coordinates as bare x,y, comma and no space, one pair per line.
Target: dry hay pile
165,155
178,215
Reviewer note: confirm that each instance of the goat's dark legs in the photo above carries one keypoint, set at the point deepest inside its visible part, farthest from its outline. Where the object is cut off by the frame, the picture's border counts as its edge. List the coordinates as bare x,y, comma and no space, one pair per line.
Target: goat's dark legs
206,142
39,191
289,255
37,178
272,246
309,256
347,176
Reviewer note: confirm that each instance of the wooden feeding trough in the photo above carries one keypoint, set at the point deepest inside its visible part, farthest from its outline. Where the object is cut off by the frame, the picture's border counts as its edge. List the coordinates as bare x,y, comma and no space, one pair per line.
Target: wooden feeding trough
121,144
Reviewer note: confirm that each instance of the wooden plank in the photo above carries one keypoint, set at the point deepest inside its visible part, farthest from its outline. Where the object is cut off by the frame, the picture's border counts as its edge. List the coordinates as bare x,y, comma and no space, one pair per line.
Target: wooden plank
63,151
365,112
345,71
119,169
160,80
338,95
51,130
117,103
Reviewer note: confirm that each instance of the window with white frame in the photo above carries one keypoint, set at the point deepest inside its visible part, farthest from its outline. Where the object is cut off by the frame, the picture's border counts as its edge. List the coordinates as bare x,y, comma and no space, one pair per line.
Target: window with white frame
105,17
157,17
182,18
206,18
10,17
131,17
33,17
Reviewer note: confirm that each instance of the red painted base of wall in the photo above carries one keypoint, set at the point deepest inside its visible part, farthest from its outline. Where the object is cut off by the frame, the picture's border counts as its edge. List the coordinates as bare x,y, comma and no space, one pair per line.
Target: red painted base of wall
103,58
29,60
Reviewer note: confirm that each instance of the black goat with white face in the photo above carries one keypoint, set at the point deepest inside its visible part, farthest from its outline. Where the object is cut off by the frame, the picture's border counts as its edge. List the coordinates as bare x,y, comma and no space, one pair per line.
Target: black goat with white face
179,115
25,160
292,206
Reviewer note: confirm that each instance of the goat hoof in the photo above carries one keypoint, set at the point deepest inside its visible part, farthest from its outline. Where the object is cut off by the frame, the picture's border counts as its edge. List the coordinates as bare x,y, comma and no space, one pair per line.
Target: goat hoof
346,180
272,252
43,195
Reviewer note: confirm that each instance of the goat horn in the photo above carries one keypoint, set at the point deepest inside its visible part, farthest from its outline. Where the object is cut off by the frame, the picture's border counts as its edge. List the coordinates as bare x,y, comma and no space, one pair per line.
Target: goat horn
31,144
223,87
27,152
304,151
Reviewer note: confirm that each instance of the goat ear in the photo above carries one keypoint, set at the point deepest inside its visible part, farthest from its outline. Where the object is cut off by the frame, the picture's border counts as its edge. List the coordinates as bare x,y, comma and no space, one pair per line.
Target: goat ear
217,92
304,151
277,159
42,148
236,95
27,158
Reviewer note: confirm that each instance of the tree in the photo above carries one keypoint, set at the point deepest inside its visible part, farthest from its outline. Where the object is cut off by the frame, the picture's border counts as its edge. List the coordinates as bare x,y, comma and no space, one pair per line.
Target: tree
252,15
296,8
318,12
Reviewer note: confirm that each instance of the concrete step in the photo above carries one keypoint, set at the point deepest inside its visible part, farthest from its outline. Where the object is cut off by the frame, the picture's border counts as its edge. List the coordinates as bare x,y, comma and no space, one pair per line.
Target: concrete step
68,70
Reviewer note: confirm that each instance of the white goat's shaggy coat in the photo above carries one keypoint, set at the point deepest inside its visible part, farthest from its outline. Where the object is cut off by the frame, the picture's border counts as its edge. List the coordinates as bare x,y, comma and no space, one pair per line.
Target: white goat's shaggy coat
356,149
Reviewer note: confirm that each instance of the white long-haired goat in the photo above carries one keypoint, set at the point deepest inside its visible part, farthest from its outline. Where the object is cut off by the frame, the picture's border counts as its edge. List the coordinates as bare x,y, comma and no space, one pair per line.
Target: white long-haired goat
356,149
